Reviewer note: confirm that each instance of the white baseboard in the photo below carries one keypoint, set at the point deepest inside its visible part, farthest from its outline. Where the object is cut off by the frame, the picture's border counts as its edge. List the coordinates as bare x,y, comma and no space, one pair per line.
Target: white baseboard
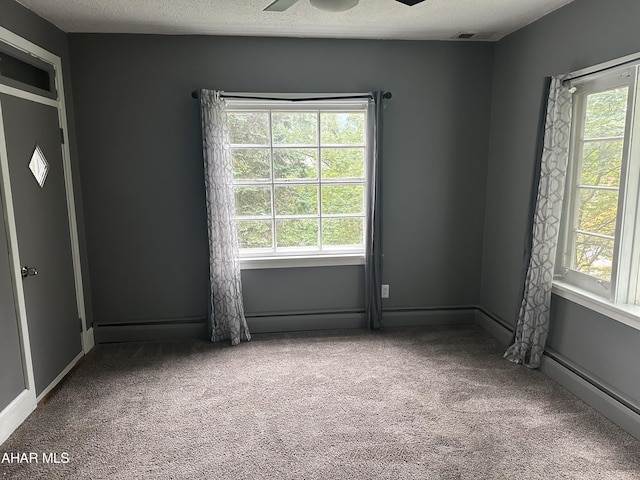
88,340
15,413
25,403
21,407
59,378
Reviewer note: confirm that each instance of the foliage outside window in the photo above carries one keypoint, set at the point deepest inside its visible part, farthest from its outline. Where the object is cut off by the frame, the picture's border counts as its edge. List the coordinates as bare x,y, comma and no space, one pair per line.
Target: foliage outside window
299,178
601,217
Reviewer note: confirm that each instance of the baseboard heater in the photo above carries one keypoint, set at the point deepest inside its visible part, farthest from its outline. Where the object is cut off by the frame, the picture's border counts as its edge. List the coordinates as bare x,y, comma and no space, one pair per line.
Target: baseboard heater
185,328
151,330
602,397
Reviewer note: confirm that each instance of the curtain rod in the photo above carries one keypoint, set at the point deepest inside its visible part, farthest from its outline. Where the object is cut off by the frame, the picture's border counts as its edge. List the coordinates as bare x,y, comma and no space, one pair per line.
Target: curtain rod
635,59
385,95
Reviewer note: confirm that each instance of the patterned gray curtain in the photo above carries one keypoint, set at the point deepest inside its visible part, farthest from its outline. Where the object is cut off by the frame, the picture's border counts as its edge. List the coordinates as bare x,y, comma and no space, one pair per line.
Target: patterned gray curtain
226,311
373,241
532,325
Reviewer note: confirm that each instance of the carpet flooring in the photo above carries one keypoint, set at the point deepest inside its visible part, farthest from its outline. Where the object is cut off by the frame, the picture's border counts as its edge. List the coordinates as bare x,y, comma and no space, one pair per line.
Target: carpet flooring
405,403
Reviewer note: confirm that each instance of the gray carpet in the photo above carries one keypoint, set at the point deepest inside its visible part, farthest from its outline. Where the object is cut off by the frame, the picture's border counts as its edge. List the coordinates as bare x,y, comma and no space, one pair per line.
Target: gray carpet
417,403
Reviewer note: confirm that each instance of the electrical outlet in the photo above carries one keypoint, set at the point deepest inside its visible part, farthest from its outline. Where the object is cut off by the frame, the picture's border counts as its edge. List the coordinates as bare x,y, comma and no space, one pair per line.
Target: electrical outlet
385,291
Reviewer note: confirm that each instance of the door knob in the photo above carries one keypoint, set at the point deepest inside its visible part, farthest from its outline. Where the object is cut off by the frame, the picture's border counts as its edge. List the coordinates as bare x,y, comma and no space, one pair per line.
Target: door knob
28,272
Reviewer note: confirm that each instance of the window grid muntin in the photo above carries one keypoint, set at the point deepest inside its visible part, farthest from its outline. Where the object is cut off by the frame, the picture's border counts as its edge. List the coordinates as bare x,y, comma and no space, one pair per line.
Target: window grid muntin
320,181
320,248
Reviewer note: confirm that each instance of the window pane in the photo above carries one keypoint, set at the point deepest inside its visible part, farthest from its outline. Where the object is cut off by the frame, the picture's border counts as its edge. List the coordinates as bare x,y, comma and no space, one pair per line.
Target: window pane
341,199
295,163
297,200
255,233
342,231
342,162
601,163
297,233
598,210
252,201
248,128
606,113
251,163
342,128
594,256
295,128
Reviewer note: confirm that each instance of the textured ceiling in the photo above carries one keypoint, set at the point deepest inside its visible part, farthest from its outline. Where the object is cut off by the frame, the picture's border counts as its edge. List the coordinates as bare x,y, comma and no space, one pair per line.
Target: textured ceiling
383,19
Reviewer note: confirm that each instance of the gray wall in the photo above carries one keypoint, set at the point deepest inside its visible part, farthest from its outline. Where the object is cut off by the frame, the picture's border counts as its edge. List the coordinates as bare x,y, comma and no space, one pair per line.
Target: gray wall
455,223
142,179
583,33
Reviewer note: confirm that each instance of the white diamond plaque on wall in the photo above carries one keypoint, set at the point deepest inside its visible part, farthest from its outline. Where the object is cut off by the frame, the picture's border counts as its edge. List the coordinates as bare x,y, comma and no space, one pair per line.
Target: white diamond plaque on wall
39,166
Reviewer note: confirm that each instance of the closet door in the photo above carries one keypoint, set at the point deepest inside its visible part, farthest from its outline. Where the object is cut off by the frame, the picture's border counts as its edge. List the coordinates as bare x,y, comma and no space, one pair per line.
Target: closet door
34,151
12,374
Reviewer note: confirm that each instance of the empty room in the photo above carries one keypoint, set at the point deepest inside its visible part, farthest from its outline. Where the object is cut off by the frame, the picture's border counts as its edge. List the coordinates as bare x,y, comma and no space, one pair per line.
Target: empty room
319,239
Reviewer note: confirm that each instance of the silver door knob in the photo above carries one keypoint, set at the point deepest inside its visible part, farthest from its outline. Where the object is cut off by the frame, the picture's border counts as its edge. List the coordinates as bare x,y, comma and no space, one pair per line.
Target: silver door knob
28,272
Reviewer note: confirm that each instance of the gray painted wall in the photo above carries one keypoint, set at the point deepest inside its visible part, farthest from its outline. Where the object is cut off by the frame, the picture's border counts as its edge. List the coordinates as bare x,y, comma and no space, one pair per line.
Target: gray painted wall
455,223
583,33
142,180
606,347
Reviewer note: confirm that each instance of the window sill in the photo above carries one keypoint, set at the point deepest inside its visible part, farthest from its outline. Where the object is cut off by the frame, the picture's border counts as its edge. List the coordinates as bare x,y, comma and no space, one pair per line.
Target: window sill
301,261
627,314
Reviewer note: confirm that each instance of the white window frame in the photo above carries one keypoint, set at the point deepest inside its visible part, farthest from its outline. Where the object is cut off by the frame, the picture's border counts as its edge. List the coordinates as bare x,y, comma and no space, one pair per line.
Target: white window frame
615,299
306,258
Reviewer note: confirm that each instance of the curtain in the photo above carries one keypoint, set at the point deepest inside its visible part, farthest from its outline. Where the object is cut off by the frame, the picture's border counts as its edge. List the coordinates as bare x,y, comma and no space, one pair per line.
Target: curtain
532,325
226,311
373,241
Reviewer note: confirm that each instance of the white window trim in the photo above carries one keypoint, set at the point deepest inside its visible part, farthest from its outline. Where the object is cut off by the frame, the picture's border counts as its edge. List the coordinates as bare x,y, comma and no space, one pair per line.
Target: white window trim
255,263
598,297
321,258
614,78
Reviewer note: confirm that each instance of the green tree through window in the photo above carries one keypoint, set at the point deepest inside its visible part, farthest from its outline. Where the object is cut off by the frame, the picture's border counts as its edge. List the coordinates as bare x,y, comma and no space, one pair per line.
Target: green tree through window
599,171
299,179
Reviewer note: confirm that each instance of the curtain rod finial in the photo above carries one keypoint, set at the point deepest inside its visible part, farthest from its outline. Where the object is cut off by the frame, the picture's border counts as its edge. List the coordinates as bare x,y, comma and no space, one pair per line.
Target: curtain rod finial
387,95
194,94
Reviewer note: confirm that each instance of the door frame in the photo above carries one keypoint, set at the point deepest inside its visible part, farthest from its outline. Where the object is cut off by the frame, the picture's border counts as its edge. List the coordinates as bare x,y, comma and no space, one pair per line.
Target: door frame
22,406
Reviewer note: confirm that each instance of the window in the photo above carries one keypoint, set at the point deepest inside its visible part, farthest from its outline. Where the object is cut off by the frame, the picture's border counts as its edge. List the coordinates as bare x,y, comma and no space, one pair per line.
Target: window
26,72
299,178
600,245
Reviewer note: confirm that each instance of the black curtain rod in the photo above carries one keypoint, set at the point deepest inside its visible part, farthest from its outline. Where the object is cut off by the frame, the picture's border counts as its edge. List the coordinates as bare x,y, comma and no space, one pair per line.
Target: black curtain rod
385,95
569,80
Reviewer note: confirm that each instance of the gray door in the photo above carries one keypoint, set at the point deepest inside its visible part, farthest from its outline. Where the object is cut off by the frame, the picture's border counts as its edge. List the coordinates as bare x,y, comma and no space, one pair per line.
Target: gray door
44,240
11,366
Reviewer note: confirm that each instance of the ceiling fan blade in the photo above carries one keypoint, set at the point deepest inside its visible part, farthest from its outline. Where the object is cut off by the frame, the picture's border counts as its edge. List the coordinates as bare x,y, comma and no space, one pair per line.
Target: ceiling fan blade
280,5
411,3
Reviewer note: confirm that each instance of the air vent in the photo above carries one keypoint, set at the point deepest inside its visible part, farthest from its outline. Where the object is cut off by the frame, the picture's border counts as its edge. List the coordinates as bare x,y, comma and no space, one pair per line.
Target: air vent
474,36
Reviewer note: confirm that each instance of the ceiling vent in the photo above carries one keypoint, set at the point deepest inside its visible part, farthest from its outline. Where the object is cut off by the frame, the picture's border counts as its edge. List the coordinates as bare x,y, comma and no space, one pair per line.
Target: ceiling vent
473,36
